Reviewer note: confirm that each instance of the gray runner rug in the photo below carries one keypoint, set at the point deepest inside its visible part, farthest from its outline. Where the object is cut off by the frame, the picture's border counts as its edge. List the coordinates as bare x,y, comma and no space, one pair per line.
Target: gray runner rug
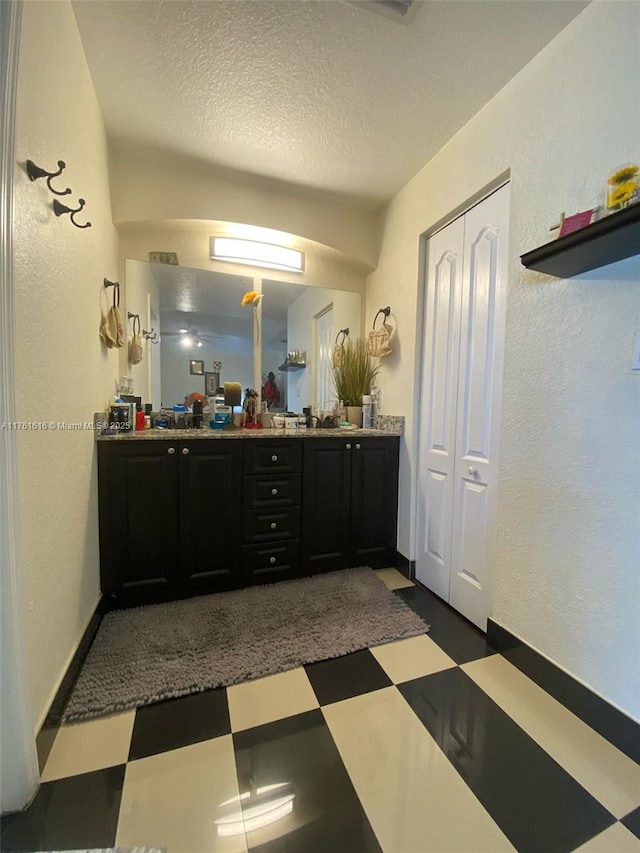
161,651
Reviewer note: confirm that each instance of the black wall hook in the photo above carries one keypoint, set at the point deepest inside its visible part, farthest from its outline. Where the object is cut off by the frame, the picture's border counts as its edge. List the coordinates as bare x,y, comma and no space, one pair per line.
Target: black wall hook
108,283
36,172
131,316
386,311
151,336
59,209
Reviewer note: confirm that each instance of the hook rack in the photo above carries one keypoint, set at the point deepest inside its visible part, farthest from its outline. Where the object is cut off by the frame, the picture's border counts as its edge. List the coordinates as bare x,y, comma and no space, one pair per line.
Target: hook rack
108,283
36,172
131,316
386,311
59,209
151,336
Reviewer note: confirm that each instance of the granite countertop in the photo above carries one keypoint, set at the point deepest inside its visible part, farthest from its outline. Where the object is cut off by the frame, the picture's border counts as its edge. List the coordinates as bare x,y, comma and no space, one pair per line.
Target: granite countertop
208,433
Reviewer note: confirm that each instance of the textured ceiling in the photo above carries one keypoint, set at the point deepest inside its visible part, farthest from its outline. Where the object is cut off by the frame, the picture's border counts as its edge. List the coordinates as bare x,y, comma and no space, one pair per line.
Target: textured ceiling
319,93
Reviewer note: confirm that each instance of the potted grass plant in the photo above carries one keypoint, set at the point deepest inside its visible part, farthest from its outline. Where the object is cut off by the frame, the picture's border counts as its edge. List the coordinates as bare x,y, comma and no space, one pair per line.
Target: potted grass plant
354,377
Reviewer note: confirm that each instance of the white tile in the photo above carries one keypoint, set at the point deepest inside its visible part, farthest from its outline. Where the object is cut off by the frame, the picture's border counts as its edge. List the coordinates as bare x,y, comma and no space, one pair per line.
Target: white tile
393,579
263,700
172,800
91,745
404,660
611,777
415,800
615,839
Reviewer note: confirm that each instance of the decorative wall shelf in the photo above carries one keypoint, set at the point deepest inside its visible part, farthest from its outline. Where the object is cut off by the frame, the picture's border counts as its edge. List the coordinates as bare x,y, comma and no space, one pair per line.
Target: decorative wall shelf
292,365
611,239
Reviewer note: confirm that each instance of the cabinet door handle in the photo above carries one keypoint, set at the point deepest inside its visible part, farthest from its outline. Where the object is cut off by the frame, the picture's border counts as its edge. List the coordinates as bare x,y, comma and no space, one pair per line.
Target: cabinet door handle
274,458
472,472
357,447
274,491
272,560
171,450
273,525
348,446
185,451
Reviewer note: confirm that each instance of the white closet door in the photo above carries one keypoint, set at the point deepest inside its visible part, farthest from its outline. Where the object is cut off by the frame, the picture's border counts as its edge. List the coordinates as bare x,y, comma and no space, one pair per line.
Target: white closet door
484,284
438,421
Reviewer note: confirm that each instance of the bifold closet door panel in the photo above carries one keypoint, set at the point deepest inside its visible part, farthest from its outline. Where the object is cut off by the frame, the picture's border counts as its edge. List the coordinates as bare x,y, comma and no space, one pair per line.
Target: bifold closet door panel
438,407
479,404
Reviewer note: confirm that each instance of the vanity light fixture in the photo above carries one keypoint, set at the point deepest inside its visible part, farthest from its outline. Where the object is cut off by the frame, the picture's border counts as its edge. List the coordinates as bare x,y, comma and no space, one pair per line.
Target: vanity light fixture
257,254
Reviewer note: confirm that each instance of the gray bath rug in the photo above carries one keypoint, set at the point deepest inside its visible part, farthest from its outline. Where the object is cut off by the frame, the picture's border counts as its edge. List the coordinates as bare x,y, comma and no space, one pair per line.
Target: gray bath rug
162,651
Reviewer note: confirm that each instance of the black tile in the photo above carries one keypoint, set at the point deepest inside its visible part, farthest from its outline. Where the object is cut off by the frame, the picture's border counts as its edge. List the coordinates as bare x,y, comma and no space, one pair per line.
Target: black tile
76,812
535,802
351,675
632,822
612,724
179,722
461,640
299,753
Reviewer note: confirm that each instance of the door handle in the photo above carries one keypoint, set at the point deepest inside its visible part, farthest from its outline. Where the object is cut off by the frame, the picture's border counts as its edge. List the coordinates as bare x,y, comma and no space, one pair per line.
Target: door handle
348,446
472,472
274,458
274,491
171,450
357,447
273,525
185,451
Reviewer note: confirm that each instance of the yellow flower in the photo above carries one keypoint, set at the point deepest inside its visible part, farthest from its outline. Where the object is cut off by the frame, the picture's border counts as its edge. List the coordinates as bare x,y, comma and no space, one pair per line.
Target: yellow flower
621,193
623,175
250,298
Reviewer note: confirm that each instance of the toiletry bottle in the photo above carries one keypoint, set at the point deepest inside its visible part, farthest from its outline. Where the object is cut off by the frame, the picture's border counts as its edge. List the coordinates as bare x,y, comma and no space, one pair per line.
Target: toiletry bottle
147,415
139,418
366,411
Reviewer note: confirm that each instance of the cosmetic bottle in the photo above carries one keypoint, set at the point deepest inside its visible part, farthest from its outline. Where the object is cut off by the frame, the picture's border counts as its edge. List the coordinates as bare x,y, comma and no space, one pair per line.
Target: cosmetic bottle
139,418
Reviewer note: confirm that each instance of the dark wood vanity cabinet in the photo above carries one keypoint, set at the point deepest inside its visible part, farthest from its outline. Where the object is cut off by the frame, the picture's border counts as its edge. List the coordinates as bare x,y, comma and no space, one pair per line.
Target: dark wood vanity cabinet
350,500
182,517
170,518
272,490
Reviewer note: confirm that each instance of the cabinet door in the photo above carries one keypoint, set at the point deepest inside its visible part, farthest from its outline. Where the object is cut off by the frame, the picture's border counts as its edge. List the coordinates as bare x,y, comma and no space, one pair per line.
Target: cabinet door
138,496
210,515
374,501
325,504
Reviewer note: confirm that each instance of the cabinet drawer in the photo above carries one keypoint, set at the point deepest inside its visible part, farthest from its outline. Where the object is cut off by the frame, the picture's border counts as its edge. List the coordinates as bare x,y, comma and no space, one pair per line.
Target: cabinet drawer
277,561
263,492
261,525
265,457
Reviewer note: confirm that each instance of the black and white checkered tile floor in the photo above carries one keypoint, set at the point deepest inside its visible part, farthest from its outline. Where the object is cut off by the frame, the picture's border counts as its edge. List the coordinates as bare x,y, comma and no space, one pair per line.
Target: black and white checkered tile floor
430,744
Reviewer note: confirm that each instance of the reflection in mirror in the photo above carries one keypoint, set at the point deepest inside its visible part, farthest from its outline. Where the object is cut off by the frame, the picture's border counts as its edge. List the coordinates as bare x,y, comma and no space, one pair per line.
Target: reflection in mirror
199,316
305,319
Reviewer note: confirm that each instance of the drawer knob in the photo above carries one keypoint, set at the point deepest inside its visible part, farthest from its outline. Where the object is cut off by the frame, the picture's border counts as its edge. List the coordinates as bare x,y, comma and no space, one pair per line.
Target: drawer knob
348,446
171,450
357,447
274,458
274,491
272,560
185,451
273,525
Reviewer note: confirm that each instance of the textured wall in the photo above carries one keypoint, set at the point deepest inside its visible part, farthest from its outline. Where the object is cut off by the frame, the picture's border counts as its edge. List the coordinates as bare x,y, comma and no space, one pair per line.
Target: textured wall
63,373
191,242
150,187
142,297
567,577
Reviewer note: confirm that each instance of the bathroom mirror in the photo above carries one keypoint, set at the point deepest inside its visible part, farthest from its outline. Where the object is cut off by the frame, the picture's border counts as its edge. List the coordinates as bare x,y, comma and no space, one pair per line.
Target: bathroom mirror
199,315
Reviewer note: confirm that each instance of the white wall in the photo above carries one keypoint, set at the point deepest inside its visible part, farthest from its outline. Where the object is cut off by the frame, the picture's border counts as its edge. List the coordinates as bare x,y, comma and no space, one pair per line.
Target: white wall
191,242
149,185
63,372
142,297
347,311
567,578
177,381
